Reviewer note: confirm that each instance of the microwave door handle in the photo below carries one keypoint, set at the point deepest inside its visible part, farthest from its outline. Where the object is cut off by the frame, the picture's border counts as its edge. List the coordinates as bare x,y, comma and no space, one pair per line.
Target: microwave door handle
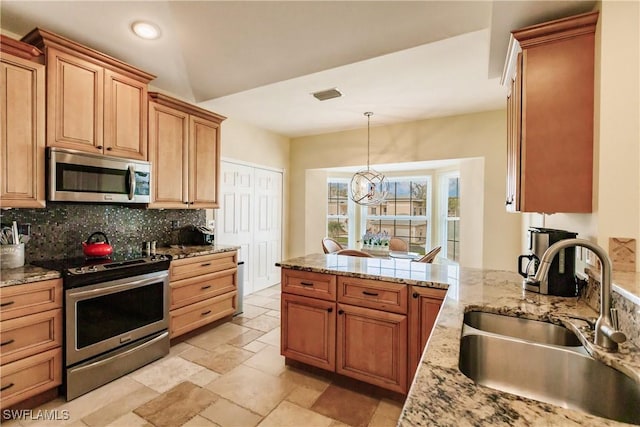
132,181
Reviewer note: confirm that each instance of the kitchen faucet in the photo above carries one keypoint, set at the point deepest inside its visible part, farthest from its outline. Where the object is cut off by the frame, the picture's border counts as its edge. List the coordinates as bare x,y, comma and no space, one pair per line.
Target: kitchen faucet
607,333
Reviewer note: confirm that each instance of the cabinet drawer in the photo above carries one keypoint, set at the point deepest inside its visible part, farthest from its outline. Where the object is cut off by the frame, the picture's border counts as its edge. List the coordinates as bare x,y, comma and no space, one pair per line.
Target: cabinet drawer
194,289
373,294
185,319
28,377
306,283
28,335
21,300
197,266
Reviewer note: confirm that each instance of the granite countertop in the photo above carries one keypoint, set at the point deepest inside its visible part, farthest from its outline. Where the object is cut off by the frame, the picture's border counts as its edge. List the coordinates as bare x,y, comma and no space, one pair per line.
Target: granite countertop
26,274
181,251
440,393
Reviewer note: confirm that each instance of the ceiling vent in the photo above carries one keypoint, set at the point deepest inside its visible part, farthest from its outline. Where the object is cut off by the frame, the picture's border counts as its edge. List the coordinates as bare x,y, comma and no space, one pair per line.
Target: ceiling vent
327,94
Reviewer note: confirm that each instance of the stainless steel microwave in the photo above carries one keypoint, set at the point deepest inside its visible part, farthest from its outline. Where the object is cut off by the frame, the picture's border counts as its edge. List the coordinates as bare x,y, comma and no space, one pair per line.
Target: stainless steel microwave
75,176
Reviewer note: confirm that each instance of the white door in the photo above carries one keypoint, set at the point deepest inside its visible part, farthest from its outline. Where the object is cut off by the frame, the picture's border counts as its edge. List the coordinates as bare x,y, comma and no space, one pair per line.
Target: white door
234,220
250,216
267,228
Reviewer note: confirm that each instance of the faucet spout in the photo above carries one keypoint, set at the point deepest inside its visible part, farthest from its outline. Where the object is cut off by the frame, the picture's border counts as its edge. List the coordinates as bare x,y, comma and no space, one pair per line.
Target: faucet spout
607,333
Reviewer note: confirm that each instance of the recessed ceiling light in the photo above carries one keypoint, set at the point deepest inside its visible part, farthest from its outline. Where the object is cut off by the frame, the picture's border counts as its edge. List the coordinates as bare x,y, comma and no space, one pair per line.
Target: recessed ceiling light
146,30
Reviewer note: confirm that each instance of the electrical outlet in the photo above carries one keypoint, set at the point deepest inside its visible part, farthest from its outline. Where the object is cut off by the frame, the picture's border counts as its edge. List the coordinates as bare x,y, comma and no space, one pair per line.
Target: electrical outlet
174,224
24,229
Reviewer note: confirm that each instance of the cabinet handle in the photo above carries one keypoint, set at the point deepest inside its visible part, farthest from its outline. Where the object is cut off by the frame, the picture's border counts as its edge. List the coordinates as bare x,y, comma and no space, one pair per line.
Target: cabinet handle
109,148
330,310
340,311
7,342
371,294
415,295
205,287
205,313
99,147
306,284
4,304
5,387
206,264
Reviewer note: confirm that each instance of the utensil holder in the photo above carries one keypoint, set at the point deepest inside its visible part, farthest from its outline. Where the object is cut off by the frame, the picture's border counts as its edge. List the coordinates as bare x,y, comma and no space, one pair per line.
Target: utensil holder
11,256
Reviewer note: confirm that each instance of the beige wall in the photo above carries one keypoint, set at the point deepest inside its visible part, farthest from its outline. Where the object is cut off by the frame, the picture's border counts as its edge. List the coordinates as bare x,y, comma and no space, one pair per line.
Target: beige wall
479,135
619,123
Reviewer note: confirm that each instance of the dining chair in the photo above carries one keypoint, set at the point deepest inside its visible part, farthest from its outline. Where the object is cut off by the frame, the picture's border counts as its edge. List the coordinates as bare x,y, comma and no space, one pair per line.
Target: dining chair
354,252
397,244
431,255
330,246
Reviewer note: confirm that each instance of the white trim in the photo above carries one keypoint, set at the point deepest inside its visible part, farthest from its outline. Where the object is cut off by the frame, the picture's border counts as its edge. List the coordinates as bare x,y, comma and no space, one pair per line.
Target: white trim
253,165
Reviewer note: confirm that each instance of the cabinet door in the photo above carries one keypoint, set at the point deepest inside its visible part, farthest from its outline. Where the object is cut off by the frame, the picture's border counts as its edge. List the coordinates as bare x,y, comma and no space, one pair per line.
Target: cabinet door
204,154
22,137
308,332
168,153
74,102
125,116
372,346
424,307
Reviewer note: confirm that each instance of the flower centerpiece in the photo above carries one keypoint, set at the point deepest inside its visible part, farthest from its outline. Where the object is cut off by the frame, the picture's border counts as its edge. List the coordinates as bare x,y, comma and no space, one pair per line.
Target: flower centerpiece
375,242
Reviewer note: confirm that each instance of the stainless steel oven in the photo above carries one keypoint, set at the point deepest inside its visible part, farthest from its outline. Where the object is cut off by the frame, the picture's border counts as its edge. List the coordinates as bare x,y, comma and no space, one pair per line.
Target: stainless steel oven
75,176
116,317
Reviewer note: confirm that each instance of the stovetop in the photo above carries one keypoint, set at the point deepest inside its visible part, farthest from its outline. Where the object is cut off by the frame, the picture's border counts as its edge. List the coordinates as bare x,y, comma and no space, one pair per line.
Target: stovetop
81,271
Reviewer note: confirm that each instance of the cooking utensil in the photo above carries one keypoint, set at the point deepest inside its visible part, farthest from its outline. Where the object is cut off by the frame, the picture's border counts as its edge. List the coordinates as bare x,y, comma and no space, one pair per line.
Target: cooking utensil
16,236
99,248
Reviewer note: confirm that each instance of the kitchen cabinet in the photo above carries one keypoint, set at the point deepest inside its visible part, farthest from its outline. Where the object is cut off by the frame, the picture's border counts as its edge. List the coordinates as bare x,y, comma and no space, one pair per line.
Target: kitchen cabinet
354,327
309,330
550,110
424,306
203,290
95,103
31,343
22,120
184,146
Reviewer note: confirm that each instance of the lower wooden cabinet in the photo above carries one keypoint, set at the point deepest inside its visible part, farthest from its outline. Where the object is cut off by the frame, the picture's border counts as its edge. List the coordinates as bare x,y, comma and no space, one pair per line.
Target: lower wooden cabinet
364,329
372,346
30,340
203,290
309,331
30,376
424,307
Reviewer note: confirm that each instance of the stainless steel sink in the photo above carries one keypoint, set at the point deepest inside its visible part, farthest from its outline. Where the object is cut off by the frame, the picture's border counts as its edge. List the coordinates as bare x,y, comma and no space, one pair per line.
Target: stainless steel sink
530,330
562,375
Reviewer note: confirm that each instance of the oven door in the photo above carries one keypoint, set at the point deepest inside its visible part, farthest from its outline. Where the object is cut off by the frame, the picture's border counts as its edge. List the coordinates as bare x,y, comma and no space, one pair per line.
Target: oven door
105,316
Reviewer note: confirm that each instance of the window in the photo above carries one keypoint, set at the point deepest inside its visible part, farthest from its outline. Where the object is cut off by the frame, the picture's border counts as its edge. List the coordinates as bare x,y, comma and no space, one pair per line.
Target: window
338,211
450,214
405,212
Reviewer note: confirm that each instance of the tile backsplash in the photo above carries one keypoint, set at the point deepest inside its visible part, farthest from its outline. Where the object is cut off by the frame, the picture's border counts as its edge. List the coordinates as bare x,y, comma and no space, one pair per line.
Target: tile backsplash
58,230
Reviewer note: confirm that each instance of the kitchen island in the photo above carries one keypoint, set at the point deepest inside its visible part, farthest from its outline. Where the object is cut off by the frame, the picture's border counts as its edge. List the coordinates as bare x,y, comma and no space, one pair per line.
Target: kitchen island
440,394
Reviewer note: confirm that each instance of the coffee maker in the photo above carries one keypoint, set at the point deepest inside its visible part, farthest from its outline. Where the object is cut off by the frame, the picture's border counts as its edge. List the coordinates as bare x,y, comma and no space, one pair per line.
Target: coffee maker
561,280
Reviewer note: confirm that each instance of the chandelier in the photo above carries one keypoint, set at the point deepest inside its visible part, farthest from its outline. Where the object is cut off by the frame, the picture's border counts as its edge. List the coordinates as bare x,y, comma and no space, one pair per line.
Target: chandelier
368,187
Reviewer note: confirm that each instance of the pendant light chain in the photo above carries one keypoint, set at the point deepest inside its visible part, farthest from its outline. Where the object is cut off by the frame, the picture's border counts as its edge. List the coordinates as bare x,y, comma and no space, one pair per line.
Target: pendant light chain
368,114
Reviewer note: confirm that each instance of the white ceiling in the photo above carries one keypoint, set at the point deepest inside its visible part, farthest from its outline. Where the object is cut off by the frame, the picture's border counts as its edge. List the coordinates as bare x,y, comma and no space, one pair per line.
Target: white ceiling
259,61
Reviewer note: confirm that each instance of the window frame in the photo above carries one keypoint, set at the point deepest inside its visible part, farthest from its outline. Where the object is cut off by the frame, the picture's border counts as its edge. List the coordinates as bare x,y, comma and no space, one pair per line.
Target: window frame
443,214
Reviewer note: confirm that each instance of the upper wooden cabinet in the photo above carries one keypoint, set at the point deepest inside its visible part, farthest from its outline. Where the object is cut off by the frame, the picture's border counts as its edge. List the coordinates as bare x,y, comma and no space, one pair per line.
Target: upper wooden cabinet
184,148
95,103
22,115
550,109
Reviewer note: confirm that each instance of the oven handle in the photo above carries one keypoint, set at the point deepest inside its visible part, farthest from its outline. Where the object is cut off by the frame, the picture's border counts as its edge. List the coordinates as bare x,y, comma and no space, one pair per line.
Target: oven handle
123,354
79,294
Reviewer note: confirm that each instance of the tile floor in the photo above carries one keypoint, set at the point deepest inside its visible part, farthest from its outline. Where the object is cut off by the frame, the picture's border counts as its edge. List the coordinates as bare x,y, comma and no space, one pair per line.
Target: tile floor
228,376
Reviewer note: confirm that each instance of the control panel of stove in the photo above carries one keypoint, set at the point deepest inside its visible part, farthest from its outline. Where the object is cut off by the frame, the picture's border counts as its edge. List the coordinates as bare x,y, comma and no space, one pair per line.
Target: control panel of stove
112,265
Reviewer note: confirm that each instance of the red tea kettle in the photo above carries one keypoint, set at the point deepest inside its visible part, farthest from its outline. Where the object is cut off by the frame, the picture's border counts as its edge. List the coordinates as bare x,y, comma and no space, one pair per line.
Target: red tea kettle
98,248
